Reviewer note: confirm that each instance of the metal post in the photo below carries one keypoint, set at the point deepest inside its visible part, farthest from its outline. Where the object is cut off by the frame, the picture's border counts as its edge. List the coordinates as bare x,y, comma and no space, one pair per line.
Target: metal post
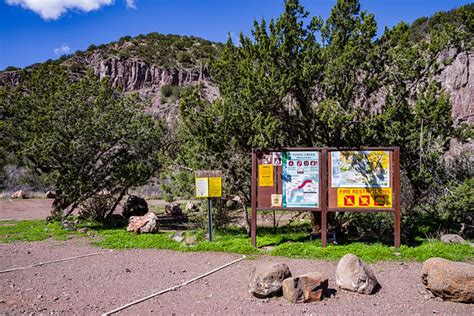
209,219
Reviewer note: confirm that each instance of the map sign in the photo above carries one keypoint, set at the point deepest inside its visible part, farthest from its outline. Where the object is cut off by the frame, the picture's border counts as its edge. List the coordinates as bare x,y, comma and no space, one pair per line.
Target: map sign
300,179
360,169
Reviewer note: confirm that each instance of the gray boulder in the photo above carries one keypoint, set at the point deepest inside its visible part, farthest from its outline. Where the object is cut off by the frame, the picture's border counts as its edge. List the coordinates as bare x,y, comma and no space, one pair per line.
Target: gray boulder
452,239
266,279
354,275
453,281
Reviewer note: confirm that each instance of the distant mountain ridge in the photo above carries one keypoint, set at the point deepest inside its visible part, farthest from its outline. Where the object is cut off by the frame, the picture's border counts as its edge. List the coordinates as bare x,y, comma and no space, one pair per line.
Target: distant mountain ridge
147,63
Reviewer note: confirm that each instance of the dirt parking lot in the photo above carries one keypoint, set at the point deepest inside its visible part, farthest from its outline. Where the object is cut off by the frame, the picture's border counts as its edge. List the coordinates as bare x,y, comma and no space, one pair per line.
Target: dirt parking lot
97,284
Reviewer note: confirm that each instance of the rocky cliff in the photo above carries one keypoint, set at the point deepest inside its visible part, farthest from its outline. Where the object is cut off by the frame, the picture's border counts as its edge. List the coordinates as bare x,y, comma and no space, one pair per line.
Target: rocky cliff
458,79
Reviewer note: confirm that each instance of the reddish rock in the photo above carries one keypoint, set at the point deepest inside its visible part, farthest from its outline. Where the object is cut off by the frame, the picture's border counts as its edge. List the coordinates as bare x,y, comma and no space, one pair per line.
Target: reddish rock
452,281
147,223
310,287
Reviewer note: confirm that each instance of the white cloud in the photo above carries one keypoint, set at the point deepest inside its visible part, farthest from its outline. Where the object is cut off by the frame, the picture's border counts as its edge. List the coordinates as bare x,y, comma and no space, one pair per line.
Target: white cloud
64,49
131,4
53,9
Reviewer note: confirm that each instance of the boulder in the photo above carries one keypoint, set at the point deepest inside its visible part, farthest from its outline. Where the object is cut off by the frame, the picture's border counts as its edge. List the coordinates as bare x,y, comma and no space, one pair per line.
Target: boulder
267,278
135,206
354,275
452,239
147,223
310,287
20,194
50,195
173,209
191,207
190,240
452,281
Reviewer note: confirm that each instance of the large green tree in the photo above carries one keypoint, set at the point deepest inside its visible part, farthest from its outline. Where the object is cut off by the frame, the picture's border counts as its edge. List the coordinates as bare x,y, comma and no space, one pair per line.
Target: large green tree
301,81
84,136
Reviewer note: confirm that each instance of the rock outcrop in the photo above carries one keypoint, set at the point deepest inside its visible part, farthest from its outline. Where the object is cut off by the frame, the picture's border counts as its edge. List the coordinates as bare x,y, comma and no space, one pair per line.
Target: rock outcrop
453,281
457,77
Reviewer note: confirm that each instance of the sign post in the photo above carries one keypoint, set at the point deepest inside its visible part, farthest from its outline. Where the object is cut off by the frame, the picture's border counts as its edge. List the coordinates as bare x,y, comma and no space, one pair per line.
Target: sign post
209,185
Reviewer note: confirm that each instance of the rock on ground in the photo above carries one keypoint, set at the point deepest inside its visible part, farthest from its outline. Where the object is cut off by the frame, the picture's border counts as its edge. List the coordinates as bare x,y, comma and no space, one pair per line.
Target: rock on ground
135,206
50,195
354,275
267,279
143,224
20,194
310,287
452,239
453,281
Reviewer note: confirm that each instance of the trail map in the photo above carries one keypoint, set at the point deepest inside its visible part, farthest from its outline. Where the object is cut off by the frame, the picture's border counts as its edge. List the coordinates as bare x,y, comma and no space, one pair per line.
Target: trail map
360,169
300,179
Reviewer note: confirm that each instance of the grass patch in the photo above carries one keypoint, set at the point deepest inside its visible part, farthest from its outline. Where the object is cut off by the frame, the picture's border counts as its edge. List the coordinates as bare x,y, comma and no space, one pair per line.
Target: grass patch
290,241
31,230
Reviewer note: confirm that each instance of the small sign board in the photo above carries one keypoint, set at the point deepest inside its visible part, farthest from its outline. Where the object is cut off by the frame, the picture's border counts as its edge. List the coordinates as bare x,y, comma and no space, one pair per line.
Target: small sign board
208,183
364,197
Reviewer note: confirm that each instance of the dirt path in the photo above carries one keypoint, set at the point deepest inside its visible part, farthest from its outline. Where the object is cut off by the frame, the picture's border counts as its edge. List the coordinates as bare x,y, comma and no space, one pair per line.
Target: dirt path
39,208
93,285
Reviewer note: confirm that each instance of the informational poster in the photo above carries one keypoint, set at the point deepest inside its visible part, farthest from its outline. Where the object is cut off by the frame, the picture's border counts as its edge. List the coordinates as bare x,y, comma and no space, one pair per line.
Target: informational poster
360,169
277,160
265,175
207,187
277,200
364,197
215,187
300,179
202,187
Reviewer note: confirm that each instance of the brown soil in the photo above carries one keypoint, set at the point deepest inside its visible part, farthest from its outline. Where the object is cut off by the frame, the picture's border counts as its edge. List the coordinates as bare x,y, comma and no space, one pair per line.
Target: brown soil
97,284
21,209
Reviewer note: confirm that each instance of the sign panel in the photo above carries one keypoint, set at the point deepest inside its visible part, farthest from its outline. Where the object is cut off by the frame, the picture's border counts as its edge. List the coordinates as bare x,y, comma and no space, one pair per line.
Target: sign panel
265,175
277,160
277,200
300,179
364,198
215,187
360,169
202,187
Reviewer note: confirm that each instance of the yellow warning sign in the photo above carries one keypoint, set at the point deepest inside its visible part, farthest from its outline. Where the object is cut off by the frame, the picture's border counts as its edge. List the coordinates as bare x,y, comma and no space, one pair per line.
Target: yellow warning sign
215,187
265,175
364,197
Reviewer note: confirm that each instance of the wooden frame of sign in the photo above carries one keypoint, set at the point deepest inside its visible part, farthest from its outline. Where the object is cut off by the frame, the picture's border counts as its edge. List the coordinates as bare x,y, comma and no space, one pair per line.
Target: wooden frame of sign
263,197
321,186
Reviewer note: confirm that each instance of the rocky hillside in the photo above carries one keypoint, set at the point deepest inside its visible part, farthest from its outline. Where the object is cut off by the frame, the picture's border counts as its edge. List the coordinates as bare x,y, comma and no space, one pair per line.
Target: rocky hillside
146,64
160,66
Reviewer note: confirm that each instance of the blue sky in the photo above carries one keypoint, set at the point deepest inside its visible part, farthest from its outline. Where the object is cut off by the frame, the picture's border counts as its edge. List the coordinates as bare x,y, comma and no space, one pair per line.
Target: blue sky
36,30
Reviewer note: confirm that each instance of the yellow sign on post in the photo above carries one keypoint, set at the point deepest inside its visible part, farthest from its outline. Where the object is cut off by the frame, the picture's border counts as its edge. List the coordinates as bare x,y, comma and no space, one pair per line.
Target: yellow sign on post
208,184
265,175
364,197
215,187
